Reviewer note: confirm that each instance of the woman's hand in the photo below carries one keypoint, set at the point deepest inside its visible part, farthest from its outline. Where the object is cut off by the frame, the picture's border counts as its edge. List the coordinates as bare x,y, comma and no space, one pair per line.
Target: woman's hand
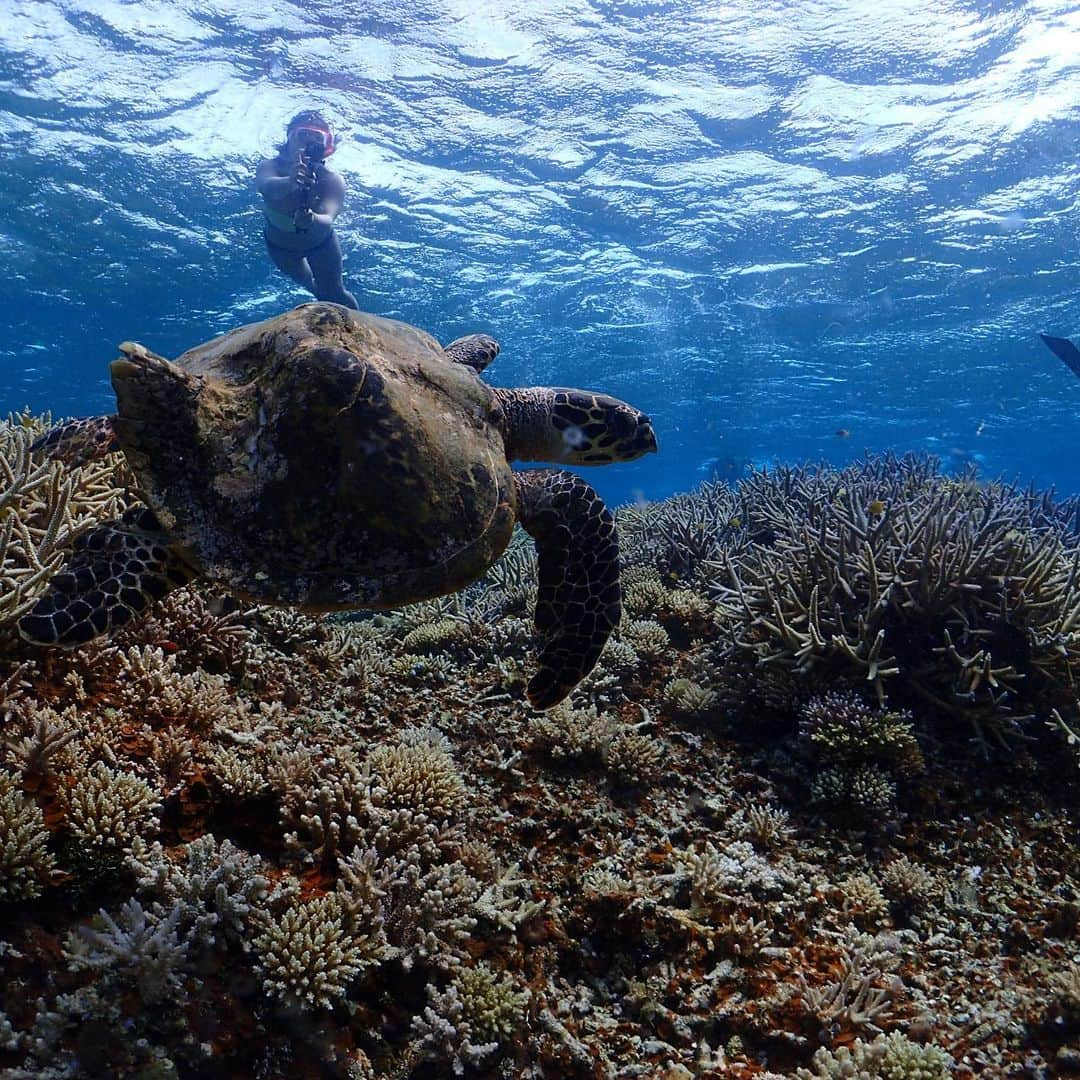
303,218
303,175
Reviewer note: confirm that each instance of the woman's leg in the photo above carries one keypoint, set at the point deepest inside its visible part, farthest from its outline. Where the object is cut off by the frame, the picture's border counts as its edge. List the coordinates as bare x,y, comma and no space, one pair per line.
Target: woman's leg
294,264
325,263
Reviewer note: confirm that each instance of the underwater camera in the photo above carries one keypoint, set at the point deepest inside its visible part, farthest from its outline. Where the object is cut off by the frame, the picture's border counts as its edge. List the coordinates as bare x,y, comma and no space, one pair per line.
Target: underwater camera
314,153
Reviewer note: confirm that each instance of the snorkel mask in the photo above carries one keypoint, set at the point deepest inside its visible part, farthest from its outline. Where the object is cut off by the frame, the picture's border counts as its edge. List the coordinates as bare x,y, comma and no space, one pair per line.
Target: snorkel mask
318,142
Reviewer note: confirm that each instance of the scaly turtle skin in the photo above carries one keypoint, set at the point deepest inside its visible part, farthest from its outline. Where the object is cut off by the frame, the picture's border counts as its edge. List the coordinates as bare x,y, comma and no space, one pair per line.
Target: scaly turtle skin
328,460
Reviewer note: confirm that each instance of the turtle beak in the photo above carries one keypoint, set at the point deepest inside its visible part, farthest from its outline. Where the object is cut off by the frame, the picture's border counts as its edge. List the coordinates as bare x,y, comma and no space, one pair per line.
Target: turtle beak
634,432
138,362
645,436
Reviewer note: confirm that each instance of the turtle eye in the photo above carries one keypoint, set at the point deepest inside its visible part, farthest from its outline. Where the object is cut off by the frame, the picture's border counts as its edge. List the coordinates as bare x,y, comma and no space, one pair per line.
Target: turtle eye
624,422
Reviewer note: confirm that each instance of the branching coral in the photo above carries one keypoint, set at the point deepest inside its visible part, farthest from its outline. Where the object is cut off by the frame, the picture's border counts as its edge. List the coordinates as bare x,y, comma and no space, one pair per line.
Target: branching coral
25,862
311,952
216,887
565,733
109,809
646,637
187,620
971,592
865,792
43,510
421,778
138,947
843,730
863,994
467,1022
430,913
633,758
888,1057
47,734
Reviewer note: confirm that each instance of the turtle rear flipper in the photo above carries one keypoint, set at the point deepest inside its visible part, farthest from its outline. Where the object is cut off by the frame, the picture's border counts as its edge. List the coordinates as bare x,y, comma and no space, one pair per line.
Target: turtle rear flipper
475,351
116,571
78,442
578,601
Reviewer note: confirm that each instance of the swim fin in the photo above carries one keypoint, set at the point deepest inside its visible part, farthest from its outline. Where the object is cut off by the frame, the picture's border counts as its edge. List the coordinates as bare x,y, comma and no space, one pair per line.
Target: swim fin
1065,350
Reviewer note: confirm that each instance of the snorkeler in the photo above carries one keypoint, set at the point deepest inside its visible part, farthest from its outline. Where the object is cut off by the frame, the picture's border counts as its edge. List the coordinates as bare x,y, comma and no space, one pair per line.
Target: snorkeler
301,199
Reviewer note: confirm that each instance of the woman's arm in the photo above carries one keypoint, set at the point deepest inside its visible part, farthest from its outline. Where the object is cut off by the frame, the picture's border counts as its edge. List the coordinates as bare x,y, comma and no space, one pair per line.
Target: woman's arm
331,196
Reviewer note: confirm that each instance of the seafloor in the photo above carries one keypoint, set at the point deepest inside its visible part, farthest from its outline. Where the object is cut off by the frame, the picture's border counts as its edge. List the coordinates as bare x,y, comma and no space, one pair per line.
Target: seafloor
813,815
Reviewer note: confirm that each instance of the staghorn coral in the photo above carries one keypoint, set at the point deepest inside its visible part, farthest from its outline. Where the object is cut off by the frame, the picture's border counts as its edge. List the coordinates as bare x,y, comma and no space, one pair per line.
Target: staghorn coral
43,510
109,809
25,862
680,535
970,592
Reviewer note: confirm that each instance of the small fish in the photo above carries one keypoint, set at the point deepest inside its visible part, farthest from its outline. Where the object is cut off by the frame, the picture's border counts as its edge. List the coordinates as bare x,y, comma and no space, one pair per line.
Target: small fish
735,522
875,508
843,433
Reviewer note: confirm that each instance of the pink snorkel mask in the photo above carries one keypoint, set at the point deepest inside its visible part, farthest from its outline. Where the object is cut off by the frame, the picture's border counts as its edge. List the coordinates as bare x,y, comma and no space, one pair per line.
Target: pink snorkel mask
316,138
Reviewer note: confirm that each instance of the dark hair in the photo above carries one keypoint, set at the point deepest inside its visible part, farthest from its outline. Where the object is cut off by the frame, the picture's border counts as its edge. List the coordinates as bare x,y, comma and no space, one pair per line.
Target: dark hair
308,116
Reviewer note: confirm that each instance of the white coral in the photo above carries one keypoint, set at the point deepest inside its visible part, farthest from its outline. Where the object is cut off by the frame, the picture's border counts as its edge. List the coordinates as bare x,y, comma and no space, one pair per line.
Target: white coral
140,946
312,952
24,861
110,809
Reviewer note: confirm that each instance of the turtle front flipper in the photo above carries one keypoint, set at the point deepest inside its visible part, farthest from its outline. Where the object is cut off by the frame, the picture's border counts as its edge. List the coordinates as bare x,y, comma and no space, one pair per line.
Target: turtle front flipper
78,442
578,601
475,351
116,571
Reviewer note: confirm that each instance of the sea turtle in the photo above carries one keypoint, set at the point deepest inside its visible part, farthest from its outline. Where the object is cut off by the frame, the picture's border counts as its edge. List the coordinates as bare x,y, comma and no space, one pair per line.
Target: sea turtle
328,459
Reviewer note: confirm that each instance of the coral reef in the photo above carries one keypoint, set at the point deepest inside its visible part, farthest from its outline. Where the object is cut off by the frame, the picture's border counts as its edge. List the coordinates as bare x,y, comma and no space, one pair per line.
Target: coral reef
813,815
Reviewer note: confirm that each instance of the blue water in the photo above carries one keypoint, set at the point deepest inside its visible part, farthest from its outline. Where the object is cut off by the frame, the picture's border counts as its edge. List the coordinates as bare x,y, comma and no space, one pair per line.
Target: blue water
764,223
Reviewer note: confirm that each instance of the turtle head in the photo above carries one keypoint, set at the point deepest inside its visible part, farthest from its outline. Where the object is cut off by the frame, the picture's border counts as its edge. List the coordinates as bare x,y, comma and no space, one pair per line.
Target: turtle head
145,383
156,409
573,427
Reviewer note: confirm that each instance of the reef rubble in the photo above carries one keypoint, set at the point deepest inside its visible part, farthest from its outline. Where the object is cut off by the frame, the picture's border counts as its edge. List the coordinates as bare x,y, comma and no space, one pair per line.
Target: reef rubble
813,815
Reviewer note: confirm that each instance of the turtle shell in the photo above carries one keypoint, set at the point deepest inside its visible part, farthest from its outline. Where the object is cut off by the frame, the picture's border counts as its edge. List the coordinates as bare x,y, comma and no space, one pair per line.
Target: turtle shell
324,458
